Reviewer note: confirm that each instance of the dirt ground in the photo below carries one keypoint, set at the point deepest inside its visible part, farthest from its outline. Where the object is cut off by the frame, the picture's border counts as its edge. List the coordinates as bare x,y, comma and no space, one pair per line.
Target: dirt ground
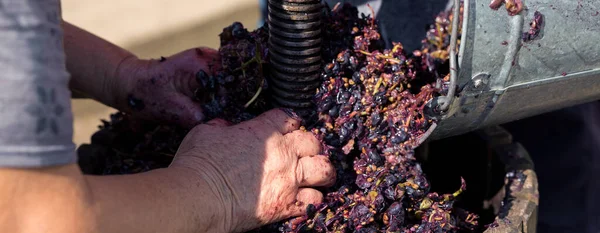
196,24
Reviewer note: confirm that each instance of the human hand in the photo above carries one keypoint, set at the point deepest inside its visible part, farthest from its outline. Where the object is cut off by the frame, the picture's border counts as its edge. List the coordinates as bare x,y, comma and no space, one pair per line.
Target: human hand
261,170
163,90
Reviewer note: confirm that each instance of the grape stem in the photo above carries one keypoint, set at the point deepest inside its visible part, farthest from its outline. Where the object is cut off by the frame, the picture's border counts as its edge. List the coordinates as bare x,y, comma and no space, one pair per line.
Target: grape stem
255,95
381,56
259,61
337,5
463,187
377,85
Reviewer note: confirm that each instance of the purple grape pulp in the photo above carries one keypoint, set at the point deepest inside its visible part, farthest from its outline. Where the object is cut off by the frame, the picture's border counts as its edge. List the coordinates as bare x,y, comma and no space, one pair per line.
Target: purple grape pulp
369,114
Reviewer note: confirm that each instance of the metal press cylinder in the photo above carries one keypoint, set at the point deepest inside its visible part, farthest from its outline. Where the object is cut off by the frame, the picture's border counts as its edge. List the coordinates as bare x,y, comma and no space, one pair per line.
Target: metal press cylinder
502,78
295,51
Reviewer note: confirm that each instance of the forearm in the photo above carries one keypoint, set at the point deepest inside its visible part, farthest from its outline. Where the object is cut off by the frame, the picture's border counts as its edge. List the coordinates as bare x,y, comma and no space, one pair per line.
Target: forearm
63,200
162,200
96,66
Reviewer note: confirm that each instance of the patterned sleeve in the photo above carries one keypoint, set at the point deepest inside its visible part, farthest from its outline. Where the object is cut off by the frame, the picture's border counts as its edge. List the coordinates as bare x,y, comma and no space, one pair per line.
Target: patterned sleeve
36,123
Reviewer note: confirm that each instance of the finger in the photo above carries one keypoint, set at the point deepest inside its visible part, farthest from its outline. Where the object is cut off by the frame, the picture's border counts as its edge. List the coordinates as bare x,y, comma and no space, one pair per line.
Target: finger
200,64
303,143
203,75
315,171
211,55
187,113
305,197
281,120
218,122
202,57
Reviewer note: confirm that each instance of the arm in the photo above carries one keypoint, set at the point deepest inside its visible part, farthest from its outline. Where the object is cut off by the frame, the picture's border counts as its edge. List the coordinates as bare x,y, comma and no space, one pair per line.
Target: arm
206,189
41,187
162,90
97,67
61,199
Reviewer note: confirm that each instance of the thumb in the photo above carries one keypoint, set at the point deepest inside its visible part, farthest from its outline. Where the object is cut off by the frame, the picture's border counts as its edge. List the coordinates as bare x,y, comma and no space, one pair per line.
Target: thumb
219,122
197,65
189,115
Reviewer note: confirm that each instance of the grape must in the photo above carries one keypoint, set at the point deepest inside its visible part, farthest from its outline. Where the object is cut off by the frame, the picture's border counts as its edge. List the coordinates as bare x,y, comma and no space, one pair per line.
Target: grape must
370,114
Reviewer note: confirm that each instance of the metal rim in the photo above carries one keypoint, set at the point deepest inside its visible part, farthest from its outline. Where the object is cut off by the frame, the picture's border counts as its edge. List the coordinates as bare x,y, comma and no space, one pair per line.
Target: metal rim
447,100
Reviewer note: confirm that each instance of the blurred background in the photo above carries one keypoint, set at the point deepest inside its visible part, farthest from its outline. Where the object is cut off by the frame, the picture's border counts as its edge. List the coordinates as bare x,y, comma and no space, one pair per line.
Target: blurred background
151,29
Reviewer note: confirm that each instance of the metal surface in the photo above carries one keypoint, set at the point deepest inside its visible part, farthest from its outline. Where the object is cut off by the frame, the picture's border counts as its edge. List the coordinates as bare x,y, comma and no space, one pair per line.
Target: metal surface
295,50
503,79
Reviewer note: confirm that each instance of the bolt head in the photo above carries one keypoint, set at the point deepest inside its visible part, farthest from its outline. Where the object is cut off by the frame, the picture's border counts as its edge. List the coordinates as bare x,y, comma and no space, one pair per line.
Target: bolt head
480,80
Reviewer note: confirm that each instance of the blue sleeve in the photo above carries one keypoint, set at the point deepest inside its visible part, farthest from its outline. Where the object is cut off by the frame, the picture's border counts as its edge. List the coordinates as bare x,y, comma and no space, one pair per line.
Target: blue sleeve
36,123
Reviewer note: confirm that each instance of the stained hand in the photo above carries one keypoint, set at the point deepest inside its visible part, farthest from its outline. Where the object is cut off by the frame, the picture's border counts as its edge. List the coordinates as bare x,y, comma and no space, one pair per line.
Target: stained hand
263,170
163,90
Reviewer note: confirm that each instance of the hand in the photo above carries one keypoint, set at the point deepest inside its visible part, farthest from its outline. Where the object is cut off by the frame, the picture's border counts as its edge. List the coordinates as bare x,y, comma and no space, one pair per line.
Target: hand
163,90
261,170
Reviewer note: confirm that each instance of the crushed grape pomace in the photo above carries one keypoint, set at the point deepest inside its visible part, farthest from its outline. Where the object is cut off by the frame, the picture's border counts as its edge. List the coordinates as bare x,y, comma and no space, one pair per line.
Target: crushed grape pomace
370,112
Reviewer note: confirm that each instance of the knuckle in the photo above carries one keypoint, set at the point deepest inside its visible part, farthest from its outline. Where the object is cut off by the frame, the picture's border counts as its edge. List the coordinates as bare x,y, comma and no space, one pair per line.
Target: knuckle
306,140
310,138
267,120
201,129
315,197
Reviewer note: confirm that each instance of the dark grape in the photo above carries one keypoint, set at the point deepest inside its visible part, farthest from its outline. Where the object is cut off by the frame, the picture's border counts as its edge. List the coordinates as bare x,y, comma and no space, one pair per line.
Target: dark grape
344,133
343,97
361,215
399,137
366,230
375,158
310,210
394,216
238,30
202,78
334,111
375,118
326,105
363,181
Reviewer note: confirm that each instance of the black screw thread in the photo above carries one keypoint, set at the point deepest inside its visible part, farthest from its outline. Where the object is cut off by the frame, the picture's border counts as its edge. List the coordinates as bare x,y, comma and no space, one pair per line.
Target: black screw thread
295,51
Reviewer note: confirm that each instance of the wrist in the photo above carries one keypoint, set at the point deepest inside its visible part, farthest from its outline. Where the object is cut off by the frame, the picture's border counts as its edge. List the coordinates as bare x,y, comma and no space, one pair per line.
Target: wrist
166,200
211,198
121,82
212,184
